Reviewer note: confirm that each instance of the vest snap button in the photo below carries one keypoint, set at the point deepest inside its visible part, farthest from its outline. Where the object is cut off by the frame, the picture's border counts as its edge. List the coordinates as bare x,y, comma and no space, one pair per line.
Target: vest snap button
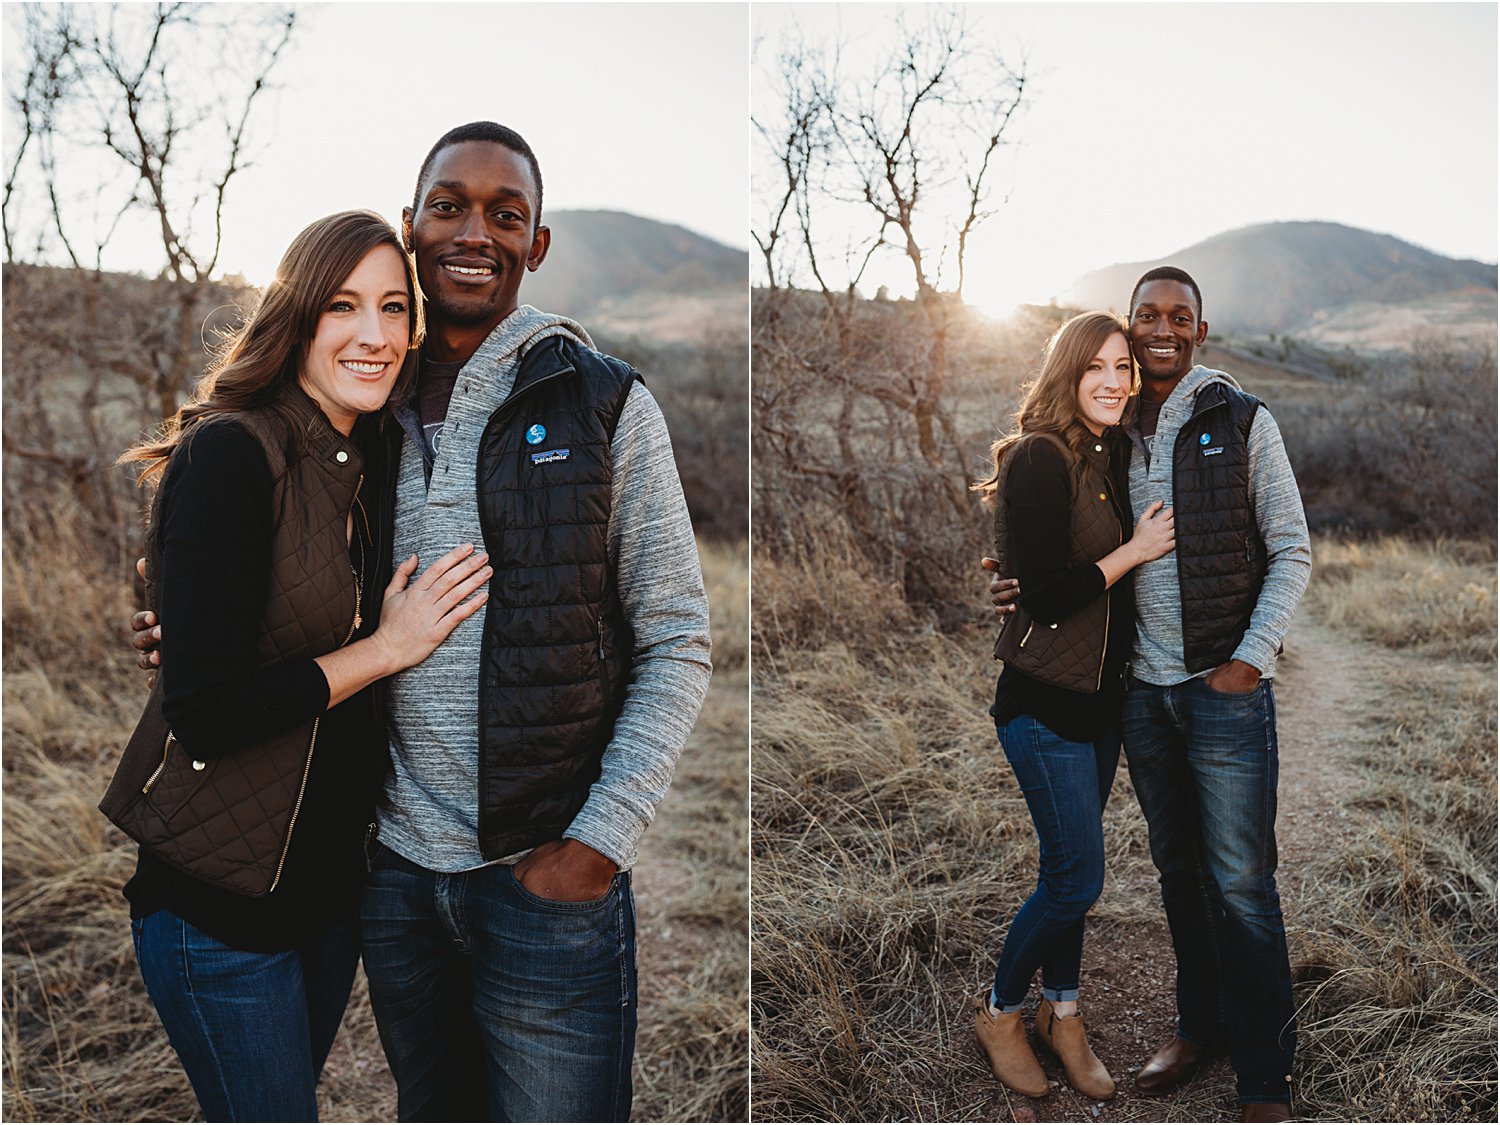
1101,496
199,766
341,456
1098,449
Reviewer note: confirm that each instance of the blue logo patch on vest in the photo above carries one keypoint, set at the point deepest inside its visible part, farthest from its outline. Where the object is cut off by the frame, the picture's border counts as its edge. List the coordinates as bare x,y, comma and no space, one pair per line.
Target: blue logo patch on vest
536,434
1204,439
549,455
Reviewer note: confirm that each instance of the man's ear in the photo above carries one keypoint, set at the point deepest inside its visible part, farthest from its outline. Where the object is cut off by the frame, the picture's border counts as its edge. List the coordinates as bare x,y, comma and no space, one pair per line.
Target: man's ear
406,217
1202,333
541,242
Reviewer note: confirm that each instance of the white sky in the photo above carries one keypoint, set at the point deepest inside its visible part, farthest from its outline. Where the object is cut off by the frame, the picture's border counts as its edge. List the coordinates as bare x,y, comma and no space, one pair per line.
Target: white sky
629,107
1154,126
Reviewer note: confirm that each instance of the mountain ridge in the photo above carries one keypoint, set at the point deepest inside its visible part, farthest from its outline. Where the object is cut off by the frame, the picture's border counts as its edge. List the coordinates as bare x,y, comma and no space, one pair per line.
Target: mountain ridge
1318,279
634,275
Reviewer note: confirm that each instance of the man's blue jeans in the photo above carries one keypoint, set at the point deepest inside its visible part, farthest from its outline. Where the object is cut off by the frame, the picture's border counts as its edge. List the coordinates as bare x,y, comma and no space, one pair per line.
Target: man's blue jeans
252,1029
494,1004
1066,785
1204,767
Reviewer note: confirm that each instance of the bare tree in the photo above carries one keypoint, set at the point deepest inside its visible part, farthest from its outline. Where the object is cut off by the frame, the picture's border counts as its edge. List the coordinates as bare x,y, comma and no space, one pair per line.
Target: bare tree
138,114
898,162
127,122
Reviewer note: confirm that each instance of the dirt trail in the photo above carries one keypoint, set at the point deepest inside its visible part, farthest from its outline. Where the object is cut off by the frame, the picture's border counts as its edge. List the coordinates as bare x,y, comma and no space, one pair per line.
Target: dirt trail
1323,683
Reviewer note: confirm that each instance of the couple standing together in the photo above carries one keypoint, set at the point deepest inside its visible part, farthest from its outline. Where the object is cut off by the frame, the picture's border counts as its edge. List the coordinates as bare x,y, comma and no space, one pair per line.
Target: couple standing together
448,779
1167,637
528,744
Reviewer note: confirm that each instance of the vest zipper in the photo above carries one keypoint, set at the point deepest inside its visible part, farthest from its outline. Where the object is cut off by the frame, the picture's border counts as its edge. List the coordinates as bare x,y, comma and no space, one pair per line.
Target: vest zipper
358,584
312,741
1120,538
296,806
166,750
509,406
1027,637
360,504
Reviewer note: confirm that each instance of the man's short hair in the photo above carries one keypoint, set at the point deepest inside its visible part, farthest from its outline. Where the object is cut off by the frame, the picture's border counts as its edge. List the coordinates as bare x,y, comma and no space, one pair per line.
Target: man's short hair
1167,273
494,134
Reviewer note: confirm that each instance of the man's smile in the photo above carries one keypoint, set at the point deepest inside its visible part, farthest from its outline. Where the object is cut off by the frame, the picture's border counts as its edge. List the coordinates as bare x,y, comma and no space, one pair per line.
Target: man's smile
469,270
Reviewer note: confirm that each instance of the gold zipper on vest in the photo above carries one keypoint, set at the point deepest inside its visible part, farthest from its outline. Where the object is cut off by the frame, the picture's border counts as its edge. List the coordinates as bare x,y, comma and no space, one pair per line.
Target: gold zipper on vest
1120,538
312,742
166,751
296,806
358,584
360,504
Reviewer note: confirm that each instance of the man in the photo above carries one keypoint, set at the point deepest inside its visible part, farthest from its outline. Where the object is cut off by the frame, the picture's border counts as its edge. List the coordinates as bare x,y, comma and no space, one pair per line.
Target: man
1199,715
499,934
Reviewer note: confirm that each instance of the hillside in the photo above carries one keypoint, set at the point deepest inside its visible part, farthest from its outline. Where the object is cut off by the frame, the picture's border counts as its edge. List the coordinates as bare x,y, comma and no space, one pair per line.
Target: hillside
1333,283
627,275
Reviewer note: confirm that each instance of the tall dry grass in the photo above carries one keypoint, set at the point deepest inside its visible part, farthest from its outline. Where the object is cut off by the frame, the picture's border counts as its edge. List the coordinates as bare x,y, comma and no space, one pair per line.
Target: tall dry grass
1395,952
693,1048
889,842
81,1040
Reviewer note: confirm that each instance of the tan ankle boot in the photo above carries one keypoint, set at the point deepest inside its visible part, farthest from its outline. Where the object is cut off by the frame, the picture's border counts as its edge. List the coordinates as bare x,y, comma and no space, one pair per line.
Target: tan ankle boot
1004,1041
1063,1036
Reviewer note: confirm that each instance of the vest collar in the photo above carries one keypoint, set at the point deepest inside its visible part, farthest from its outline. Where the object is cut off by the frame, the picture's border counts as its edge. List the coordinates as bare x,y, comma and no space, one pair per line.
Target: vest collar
547,358
323,443
1094,450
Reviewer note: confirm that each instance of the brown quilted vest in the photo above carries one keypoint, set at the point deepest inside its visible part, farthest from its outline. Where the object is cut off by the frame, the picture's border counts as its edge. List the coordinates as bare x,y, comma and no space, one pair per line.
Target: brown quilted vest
228,819
1069,653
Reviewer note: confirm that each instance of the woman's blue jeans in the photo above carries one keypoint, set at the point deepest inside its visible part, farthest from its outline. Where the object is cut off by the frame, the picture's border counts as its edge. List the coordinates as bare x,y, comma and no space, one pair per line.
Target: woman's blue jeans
252,1029
1065,785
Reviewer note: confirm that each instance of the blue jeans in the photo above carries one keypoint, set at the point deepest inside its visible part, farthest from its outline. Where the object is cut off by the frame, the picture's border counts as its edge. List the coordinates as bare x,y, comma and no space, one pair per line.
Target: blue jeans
494,1004
1066,785
1204,767
252,1029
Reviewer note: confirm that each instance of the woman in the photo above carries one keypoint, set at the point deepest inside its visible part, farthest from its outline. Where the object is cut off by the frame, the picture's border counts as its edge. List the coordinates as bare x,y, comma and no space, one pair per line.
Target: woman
1061,517
252,777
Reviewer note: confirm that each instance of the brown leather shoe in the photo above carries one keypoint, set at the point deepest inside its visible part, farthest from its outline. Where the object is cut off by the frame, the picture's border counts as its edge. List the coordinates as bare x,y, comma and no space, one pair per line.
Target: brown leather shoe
1266,1111
1004,1041
1172,1066
1063,1036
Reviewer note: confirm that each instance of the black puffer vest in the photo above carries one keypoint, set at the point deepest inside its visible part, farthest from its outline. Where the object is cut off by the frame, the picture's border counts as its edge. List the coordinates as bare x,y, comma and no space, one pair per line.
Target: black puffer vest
557,650
228,818
1221,560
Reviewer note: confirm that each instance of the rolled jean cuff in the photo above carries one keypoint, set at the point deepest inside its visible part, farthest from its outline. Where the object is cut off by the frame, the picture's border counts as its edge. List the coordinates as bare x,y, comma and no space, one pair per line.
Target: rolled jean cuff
1006,1008
1061,995
1277,1088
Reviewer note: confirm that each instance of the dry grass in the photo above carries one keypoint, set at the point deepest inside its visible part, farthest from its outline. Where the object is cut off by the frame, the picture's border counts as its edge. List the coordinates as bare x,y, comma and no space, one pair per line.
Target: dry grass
889,841
1396,954
1427,600
81,1040
691,1055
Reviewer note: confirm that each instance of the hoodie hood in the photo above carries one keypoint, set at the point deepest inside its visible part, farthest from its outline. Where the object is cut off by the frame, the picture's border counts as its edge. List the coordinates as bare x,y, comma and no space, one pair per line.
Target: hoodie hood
523,329
1179,405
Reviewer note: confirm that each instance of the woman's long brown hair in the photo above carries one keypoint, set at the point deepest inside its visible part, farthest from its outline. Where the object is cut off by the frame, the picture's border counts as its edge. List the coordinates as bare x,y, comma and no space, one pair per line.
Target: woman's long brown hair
1050,402
258,364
